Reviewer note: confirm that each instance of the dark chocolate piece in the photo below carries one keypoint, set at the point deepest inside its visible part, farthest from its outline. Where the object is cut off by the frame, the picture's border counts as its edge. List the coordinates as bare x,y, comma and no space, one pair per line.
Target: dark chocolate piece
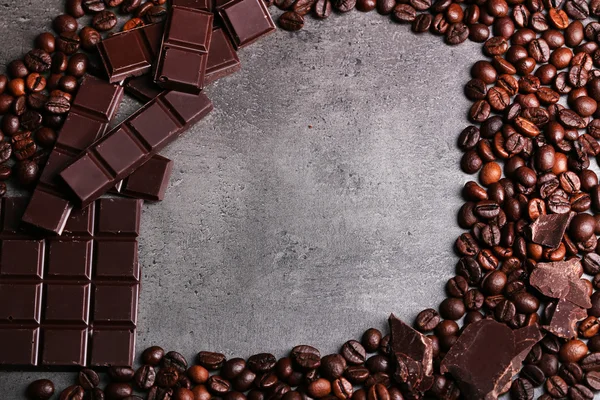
563,322
143,88
413,353
132,143
94,106
150,181
222,57
548,230
184,51
205,5
246,21
486,356
561,280
130,53
63,298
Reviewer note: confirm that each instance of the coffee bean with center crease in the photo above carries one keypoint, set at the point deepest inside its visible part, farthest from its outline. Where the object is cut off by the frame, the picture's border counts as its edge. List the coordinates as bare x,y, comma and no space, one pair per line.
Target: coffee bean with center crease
58,105
38,61
145,377
158,393
167,377
129,6
580,392
218,385
5,151
31,120
93,6
577,9
88,379
404,13
591,362
41,389
353,352
571,373
156,14
210,361
118,390
74,392
174,360
476,89
68,42
104,21
521,389
592,380
556,387
260,363
356,374
291,21
457,33
322,9
306,357
427,320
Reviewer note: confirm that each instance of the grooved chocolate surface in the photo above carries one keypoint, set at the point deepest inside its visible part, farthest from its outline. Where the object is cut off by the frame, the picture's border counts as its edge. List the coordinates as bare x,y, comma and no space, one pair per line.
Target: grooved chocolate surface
150,181
246,21
70,300
184,50
94,106
132,143
131,53
222,57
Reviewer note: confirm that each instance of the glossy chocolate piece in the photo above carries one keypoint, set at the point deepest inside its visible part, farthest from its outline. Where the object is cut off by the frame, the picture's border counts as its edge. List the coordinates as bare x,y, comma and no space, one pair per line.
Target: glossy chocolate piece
62,298
143,88
561,280
411,348
246,21
549,229
131,53
222,57
205,5
486,356
132,143
94,106
150,181
184,51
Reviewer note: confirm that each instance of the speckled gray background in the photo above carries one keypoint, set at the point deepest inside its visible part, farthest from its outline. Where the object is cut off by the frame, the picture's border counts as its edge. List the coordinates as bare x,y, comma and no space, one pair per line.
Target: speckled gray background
318,197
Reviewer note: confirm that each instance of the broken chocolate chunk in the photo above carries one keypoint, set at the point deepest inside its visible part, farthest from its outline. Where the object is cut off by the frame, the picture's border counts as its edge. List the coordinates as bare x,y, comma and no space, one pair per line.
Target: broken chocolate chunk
563,322
487,356
413,356
548,230
561,280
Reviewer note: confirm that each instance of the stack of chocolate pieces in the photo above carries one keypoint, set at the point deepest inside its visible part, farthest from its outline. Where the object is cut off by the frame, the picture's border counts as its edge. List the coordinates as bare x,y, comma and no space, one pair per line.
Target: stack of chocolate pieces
69,273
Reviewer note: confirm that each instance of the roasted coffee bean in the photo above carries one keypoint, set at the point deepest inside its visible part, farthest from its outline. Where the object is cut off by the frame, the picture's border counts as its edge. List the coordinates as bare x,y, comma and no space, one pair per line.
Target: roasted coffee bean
533,374
68,42
104,21
592,380
556,387
571,373
521,389
580,392
591,362
457,33
306,357
319,388
452,309
427,320
57,105
261,363
93,6
35,83
353,352
174,360
371,340
74,392
167,377
333,367
210,361
129,6
577,9
218,385
404,13
31,120
118,390
156,14
74,8
322,8
41,389
378,392
153,355
64,23
144,377
422,23
89,38
291,21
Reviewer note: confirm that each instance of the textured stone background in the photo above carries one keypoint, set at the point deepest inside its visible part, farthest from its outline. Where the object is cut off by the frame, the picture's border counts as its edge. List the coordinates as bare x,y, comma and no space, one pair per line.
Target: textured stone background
274,233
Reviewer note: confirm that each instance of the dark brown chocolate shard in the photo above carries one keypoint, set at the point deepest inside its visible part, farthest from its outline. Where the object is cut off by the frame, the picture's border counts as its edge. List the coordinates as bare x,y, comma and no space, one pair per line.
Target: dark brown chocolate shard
486,356
565,316
561,280
413,353
548,230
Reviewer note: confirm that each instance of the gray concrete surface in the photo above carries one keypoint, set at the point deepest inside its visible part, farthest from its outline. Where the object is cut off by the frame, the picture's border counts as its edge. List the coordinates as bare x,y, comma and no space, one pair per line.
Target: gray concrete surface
318,197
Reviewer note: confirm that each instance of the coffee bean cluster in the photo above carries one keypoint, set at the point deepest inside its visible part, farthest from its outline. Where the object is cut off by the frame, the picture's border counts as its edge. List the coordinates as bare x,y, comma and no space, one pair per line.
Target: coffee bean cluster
37,90
361,370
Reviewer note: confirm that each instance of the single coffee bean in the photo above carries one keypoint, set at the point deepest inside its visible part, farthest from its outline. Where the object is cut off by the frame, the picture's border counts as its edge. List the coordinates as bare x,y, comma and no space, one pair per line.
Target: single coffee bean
333,366
233,368
356,374
133,24
291,21
89,38
45,42
93,6
427,320
377,363
31,120
156,14
218,385
64,23
144,377
35,83
592,380
556,387
68,43
306,357
74,8
129,6
319,388
371,339
571,373
78,65
167,377
210,361
58,105
591,362
353,352
580,392
260,363
322,8
104,21
457,33
174,360
74,392
404,13
88,379
118,390
244,380
533,374
153,355
521,389
41,389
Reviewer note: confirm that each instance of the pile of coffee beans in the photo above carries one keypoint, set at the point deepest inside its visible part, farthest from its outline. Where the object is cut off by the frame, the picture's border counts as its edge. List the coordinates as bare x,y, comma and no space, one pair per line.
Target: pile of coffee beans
535,131
37,90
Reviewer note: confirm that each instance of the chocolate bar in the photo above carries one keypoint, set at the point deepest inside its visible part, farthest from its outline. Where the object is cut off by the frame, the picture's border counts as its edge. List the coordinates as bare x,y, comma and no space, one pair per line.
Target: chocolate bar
132,143
184,51
94,106
143,88
246,20
222,57
70,300
205,5
131,53
150,181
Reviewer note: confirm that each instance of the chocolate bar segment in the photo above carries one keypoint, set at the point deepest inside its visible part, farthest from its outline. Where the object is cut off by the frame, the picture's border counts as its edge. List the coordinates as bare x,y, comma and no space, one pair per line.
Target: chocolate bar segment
72,293
184,51
130,53
222,57
94,106
132,143
150,181
143,88
205,5
246,21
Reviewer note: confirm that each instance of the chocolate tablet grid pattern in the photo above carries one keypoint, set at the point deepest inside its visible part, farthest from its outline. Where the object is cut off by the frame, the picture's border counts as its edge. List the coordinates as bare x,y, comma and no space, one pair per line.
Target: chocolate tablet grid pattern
94,106
70,300
132,143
